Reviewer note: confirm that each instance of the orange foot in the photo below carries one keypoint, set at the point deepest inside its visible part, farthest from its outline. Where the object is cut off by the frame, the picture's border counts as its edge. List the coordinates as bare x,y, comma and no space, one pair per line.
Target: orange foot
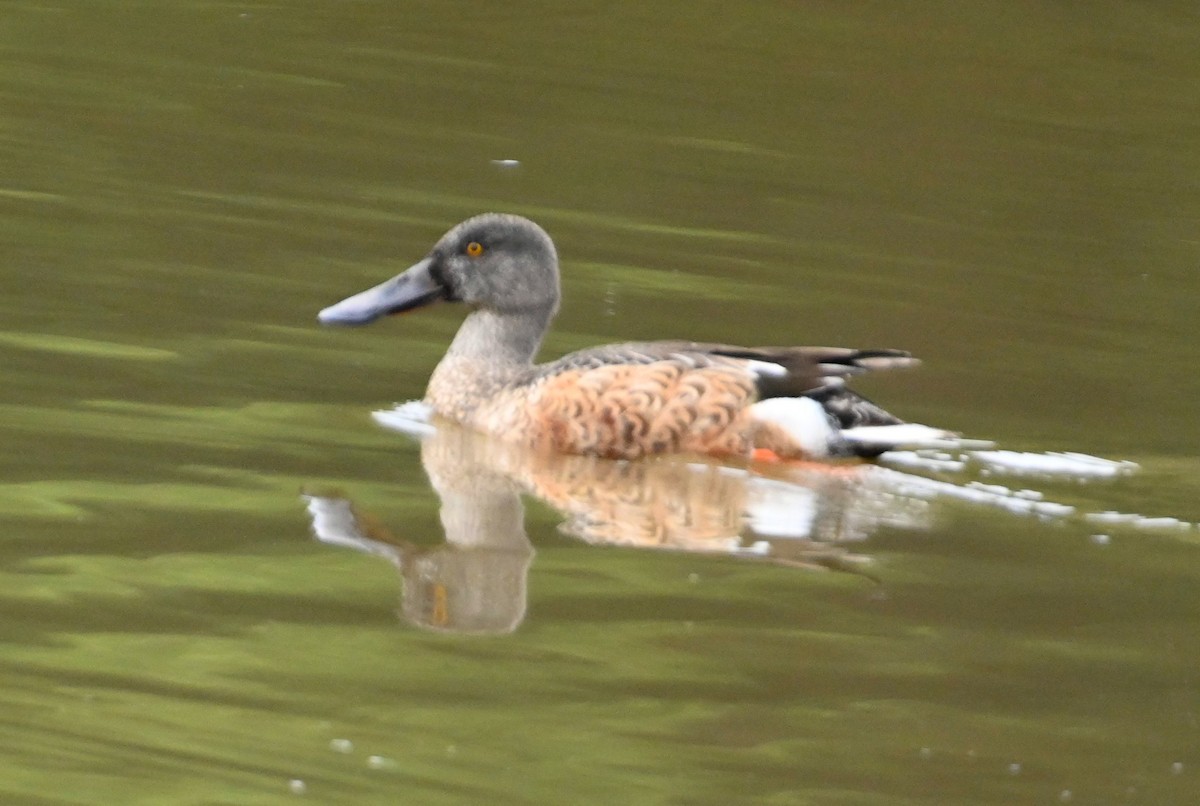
766,456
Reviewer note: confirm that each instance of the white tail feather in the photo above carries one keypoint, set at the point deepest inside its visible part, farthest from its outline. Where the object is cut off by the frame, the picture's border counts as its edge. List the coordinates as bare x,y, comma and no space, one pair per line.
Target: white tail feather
905,435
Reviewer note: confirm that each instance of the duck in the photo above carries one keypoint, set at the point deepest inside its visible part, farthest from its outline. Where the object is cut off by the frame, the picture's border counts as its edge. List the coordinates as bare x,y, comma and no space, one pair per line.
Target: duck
629,400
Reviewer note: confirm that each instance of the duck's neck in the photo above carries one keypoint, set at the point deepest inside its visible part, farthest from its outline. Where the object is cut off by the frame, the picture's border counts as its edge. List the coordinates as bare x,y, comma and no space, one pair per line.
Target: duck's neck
490,350
503,340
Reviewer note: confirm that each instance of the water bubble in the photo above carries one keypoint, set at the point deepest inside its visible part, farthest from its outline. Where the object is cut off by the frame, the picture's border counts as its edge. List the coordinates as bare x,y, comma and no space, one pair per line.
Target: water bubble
297,786
1101,540
1014,769
925,753
1177,768
341,745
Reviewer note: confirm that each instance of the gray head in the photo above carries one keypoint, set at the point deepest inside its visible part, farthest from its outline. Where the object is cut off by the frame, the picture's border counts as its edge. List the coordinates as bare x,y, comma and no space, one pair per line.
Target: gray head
497,262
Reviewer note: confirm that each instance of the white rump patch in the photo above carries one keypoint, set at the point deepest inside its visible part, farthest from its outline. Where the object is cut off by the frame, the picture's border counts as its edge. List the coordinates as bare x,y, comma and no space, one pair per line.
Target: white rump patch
803,418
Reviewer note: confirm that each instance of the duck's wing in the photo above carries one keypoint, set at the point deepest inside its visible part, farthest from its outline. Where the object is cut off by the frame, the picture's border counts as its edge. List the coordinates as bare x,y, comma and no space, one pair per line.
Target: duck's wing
797,370
816,372
638,398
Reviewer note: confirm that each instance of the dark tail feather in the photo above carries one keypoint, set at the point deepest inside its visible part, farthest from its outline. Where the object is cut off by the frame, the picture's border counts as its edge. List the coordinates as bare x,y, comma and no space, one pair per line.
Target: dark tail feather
851,409
812,370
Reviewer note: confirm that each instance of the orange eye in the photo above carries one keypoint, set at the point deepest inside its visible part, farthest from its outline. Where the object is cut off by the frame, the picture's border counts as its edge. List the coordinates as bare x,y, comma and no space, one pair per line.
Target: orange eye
474,249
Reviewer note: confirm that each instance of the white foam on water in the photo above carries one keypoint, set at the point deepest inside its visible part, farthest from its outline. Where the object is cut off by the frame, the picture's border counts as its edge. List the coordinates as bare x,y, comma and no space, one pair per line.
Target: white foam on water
413,418
1065,464
1160,523
930,462
974,492
992,464
1135,521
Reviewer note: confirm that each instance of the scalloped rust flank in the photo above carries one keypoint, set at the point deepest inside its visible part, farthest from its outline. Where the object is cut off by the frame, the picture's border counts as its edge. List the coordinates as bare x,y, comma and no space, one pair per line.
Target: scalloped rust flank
624,411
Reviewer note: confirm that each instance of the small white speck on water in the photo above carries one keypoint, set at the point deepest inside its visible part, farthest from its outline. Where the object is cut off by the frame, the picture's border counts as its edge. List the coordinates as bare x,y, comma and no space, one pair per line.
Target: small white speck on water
1066,795
610,300
297,786
452,750
341,745
1014,769
1101,540
1177,768
506,163
925,753
693,577
379,762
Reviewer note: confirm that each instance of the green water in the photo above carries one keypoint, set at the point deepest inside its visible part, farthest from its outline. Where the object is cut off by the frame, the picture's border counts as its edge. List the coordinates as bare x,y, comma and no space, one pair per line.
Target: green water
1007,190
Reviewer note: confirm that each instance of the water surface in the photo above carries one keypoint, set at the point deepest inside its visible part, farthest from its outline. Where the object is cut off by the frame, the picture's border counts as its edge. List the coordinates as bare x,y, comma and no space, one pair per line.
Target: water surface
1008,192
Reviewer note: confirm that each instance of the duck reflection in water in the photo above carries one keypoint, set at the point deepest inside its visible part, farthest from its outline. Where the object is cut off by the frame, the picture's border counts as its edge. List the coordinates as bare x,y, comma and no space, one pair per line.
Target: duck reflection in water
476,581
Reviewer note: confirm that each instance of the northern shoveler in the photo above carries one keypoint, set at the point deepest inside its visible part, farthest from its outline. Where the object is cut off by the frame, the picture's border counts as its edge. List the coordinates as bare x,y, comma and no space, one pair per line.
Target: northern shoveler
628,400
